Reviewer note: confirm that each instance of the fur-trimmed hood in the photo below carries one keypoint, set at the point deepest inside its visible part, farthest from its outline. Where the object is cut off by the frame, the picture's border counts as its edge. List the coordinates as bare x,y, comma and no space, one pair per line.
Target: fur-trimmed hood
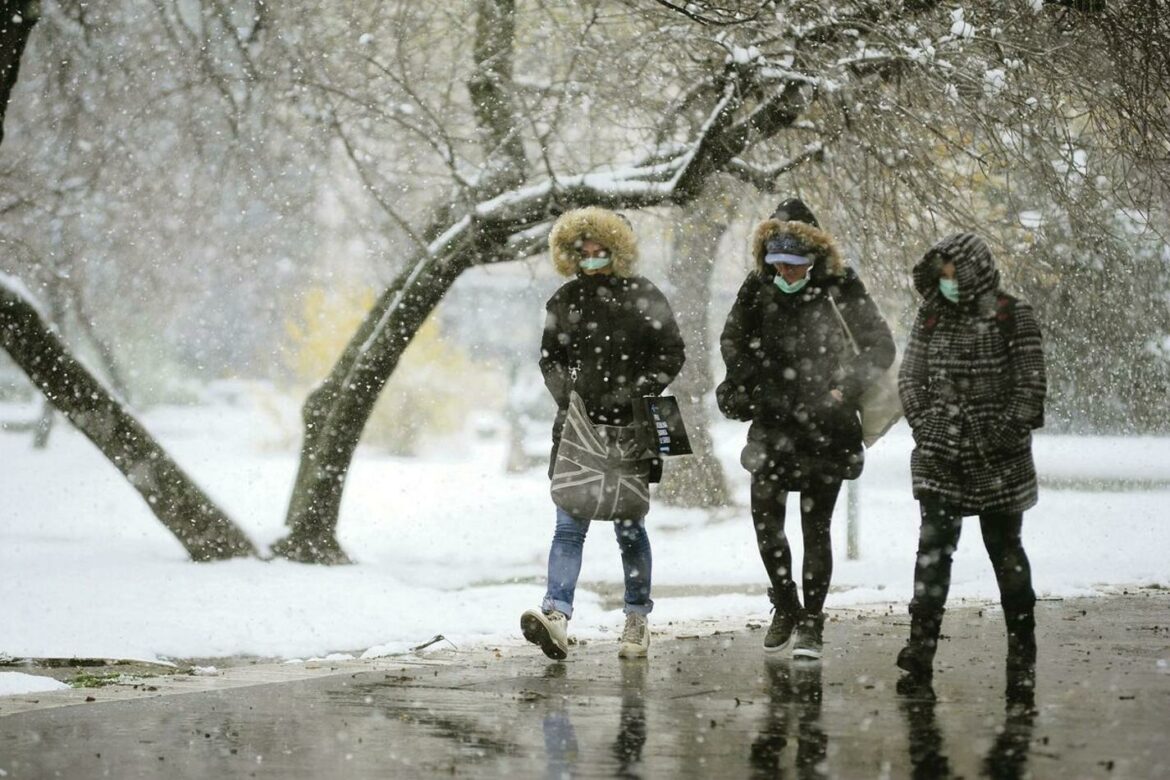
822,247
603,226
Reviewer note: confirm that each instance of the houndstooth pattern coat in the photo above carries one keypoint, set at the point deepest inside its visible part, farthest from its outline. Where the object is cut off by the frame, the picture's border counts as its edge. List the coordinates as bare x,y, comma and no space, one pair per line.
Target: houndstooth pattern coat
971,397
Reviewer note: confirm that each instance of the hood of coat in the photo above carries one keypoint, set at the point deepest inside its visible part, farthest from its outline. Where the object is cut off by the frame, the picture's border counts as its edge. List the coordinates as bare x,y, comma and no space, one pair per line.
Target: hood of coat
822,248
606,227
975,269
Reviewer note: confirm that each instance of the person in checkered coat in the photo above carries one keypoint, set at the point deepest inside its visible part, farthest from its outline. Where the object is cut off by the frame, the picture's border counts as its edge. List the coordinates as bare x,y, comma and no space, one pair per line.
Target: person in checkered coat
972,386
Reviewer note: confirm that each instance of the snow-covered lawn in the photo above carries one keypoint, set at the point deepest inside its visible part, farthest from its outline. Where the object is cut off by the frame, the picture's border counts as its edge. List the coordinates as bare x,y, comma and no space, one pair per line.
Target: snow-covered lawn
19,682
449,544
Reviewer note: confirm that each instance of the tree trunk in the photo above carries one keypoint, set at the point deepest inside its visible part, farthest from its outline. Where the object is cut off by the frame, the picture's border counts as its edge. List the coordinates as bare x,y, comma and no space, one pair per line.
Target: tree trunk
486,229
335,413
43,426
199,525
17,18
696,480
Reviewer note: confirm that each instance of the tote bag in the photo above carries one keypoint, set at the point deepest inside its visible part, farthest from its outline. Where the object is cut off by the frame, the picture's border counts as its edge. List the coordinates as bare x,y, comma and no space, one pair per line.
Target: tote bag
602,472
880,406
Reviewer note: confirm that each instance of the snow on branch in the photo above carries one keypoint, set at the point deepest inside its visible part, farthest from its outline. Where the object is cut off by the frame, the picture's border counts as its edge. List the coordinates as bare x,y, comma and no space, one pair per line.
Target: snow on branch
714,15
766,179
17,288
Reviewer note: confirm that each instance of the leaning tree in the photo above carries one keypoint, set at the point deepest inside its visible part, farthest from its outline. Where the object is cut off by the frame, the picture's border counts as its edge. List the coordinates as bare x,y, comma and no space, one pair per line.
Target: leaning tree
539,109
720,80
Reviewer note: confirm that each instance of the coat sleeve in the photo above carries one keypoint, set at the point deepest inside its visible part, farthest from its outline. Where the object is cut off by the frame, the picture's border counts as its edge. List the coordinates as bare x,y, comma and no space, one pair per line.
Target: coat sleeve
913,377
554,353
1024,409
735,393
667,353
874,342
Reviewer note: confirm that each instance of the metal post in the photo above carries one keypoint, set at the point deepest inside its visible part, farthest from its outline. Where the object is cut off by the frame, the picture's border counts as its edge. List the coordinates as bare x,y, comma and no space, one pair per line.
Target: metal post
853,520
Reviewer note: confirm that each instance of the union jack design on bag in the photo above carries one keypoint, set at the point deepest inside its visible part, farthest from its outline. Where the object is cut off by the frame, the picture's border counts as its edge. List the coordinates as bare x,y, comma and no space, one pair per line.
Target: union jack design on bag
602,472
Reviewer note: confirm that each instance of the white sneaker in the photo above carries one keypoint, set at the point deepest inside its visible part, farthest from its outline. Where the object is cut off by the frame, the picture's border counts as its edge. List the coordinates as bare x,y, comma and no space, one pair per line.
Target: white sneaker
635,637
550,631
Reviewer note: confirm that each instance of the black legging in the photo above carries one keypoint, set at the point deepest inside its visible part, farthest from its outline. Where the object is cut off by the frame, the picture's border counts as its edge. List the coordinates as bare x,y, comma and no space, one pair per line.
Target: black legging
816,514
939,537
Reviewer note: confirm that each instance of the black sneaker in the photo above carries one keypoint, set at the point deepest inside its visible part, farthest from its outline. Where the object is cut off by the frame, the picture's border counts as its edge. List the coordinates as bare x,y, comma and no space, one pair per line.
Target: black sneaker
779,634
807,642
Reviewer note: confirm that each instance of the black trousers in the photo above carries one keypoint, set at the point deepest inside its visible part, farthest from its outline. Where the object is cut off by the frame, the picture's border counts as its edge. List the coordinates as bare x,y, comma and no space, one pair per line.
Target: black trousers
938,538
816,513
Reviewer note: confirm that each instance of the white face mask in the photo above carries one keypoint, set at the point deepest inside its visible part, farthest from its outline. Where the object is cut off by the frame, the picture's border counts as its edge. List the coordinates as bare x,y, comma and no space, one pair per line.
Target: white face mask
796,286
595,263
949,289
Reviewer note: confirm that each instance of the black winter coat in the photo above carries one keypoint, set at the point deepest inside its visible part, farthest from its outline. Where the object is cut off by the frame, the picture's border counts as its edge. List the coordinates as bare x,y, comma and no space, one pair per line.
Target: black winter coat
972,388
784,354
620,335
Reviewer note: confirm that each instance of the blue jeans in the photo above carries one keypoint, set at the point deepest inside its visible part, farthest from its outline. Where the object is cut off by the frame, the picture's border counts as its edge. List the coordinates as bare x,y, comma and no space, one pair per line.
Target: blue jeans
564,563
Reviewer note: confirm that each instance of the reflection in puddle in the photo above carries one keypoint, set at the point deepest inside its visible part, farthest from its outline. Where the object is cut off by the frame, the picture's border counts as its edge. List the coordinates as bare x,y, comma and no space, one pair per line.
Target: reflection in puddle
562,751
631,737
474,740
916,700
795,692
1008,755
560,740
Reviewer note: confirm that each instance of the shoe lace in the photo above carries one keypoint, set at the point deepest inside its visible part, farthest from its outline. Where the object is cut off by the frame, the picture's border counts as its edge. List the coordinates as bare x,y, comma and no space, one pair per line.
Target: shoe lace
780,622
635,626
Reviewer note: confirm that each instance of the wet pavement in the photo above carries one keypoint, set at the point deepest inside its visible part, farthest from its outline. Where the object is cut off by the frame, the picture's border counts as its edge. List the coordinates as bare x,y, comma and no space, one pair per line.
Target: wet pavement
711,706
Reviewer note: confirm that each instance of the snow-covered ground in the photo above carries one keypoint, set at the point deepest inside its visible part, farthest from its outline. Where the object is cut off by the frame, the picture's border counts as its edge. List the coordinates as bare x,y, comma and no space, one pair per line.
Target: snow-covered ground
449,544
12,683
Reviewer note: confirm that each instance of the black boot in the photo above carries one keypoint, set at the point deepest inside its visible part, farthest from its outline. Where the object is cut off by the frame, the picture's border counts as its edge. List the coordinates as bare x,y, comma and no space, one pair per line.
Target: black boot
785,608
1020,690
1021,640
917,657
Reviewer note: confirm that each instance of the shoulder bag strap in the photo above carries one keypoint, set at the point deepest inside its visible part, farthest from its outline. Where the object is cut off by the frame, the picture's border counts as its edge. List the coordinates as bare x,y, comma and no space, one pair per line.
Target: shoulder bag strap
844,325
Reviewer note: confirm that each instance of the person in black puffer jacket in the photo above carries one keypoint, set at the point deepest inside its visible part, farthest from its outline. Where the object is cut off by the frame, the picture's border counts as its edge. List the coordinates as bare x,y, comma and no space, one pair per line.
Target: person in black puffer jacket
792,373
610,335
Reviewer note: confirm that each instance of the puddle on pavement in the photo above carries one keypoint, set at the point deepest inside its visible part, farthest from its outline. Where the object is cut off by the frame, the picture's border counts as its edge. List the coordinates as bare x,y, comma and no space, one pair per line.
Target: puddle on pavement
706,707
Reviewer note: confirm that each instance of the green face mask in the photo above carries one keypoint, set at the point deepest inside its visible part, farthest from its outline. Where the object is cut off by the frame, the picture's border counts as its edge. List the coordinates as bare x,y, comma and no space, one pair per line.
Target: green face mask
949,289
795,287
594,263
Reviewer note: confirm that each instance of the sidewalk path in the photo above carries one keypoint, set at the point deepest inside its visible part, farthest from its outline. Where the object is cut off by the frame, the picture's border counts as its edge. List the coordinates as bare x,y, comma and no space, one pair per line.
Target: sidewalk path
710,706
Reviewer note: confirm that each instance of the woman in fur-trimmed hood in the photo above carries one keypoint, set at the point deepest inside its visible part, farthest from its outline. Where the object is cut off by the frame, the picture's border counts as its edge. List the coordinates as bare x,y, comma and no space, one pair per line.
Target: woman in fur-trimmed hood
792,373
606,227
609,335
972,387
611,327
817,245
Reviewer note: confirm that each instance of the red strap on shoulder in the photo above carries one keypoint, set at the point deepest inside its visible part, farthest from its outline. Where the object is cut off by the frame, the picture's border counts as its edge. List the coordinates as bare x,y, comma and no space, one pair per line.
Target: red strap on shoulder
1003,308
